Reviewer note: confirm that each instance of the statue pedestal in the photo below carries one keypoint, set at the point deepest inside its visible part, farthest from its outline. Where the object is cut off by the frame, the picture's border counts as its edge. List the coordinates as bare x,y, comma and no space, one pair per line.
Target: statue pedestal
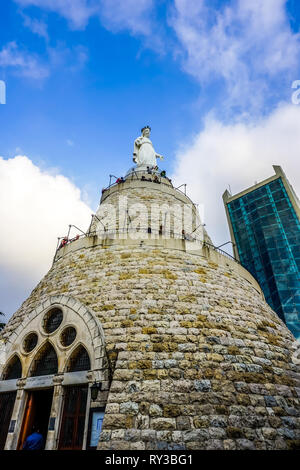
139,169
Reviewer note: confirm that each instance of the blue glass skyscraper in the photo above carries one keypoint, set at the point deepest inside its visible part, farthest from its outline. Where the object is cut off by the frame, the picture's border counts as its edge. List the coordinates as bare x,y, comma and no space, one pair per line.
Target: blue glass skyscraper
265,230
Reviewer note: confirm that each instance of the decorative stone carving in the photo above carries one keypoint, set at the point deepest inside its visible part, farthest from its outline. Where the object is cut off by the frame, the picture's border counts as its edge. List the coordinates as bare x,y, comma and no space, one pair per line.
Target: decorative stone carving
57,379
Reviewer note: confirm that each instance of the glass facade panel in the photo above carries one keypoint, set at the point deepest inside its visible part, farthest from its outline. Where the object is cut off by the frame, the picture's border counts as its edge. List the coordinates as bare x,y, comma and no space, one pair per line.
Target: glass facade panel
267,237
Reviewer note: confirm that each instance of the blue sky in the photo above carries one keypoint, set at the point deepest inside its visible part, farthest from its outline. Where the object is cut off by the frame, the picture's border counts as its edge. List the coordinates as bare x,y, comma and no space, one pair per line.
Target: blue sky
94,89
212,78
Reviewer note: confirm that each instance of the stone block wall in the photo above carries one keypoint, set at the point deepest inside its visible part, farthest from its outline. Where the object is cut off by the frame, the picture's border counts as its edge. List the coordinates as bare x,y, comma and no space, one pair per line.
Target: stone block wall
198,359
164,206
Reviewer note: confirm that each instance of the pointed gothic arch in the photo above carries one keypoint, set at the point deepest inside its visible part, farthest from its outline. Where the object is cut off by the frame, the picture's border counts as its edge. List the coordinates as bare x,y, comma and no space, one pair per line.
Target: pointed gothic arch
12,369
79,360
45,362
74,344
75,313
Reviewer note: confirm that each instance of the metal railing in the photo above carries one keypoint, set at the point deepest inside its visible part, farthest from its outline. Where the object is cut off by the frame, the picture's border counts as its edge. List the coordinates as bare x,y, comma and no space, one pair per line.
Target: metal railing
149,230
222,252
111,234
134,175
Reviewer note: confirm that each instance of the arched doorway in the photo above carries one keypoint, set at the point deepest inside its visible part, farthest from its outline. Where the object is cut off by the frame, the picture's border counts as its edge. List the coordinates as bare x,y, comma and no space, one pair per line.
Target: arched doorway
39,401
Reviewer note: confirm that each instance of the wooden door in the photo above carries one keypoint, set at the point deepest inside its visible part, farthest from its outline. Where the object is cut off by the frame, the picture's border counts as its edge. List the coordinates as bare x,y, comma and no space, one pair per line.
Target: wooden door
73,419
28,420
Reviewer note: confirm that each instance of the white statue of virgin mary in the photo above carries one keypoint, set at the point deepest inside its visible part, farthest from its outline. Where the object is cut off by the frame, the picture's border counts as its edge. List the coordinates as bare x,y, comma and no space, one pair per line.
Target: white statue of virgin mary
144,153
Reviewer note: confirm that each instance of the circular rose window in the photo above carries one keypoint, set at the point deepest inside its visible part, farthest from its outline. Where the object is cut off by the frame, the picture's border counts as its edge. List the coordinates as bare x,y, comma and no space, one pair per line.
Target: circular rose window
52,320
30,342
68,335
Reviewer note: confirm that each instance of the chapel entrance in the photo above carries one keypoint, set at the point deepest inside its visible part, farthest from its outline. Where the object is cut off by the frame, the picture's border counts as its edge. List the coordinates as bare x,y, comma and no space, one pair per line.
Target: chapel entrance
36,415
73,418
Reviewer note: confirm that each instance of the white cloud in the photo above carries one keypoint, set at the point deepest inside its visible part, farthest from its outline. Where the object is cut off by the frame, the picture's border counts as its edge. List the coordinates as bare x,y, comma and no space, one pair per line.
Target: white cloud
238,155
77,12
70,58
23,62
31,65
116,15
36,26
36,207
245,43
248,44
128,14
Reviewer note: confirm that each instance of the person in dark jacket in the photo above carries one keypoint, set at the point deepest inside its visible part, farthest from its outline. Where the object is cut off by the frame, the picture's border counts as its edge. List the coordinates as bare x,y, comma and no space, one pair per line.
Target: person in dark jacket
34,441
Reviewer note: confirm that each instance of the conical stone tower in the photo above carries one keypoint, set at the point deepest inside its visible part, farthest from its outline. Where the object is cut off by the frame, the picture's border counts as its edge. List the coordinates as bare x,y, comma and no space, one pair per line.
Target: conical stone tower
177,335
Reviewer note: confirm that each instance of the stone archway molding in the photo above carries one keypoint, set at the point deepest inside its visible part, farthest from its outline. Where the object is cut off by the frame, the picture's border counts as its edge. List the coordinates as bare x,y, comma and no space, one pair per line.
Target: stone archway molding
94,328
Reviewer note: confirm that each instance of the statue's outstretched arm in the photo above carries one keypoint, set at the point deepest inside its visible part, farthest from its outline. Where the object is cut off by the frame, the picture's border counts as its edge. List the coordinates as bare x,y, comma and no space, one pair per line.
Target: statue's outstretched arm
137,144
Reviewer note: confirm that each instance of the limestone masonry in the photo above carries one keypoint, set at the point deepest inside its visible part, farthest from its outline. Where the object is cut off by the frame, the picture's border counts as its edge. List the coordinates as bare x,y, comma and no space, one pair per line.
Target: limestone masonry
188,353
